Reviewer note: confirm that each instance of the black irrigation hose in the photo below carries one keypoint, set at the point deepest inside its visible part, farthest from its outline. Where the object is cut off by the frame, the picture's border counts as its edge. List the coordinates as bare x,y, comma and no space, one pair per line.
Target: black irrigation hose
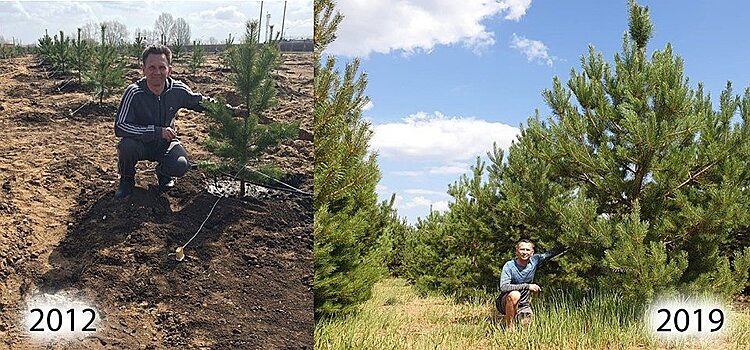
180,251
294,189
291,189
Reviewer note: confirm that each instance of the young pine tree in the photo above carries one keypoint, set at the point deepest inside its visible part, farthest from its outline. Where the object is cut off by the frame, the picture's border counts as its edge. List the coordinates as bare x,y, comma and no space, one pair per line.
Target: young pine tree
197,58
347,247
226,52
177,49
44,48
240,141
108,71
136,48
61,53
81,56
458,252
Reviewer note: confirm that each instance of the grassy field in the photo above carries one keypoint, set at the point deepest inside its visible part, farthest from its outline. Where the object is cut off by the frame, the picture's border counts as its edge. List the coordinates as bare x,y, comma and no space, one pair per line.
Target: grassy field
397,318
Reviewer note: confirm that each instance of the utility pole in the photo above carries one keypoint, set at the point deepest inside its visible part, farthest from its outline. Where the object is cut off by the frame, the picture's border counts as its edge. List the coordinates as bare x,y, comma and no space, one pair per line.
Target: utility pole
283,18
268,23
260,19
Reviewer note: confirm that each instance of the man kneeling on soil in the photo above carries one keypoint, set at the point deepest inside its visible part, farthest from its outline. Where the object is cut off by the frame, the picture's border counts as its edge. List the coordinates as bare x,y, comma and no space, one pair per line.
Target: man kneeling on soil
145,122
516,282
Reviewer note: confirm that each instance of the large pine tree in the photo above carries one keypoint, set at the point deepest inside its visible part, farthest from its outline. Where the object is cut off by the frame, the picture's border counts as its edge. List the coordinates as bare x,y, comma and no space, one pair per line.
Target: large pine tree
634,170
348,226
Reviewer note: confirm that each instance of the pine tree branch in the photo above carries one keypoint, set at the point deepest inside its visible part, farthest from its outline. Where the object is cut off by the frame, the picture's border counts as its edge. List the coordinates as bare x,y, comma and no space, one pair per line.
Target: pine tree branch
354,181
691,178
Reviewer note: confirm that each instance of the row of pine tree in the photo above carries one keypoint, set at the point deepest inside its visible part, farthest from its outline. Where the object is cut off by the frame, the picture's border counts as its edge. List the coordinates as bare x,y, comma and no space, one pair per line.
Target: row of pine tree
237,141
634,171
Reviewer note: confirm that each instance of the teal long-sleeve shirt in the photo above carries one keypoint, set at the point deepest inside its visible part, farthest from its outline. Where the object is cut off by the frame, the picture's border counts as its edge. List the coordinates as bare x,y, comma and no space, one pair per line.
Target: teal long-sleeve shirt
517,277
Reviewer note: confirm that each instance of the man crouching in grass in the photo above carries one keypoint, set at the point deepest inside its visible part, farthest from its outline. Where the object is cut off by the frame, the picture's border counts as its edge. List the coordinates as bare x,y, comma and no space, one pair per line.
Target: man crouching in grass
516,282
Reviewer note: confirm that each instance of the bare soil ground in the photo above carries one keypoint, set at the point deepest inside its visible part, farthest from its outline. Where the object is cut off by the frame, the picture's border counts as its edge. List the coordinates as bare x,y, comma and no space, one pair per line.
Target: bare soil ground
247,281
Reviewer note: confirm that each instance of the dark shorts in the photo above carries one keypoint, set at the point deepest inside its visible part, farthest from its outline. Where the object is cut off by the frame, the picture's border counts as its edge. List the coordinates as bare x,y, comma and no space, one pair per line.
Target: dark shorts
524,306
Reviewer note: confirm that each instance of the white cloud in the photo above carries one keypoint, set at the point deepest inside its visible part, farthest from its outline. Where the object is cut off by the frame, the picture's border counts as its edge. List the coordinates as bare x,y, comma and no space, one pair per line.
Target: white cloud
533,49
71,8
380,188
425,192
435,136
398,201
225,13
17,6
420,202
515,8
408,173
453,168
418,25
440,206
368,106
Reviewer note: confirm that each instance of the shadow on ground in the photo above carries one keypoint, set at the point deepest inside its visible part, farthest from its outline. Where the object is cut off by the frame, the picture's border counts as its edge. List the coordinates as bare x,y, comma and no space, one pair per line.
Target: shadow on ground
247,281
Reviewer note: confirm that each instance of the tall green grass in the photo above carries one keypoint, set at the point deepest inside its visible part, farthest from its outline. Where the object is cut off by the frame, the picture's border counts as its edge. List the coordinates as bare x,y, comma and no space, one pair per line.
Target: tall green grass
397,318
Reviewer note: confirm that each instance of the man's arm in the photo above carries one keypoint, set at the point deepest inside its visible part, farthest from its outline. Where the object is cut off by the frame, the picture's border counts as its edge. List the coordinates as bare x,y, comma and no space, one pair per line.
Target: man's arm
193,100
505,282
124,127
553,253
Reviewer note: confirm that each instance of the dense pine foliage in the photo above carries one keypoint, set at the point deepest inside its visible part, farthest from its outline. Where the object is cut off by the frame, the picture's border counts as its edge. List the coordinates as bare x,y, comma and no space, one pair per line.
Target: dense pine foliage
635,171
349,227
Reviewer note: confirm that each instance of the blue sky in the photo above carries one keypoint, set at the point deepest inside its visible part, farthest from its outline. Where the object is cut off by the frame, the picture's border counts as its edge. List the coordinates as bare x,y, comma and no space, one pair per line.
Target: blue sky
449,78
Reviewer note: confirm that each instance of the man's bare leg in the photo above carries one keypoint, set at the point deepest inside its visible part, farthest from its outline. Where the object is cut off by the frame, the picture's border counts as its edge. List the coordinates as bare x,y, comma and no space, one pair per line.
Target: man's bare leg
511,306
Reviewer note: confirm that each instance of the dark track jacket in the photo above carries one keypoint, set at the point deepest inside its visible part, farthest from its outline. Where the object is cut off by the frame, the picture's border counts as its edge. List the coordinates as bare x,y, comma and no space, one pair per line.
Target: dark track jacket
142,114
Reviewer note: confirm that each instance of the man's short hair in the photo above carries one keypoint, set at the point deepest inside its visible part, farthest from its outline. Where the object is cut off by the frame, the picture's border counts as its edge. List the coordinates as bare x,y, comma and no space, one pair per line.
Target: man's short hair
524,240
157,49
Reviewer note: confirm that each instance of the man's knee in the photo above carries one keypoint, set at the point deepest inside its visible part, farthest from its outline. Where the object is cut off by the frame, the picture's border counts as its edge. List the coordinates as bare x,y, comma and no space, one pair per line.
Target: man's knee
182,166
129,148
513,297
177,168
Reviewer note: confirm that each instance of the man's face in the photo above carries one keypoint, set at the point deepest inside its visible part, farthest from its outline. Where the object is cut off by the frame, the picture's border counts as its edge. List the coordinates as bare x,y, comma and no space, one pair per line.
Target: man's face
156,69
524,251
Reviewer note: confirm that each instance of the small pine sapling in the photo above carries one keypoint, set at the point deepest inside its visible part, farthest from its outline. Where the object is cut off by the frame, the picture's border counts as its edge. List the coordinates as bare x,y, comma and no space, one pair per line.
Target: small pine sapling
81,56
197,57
107,71
177,49
138,45
45,48
228,47
242,140
61,53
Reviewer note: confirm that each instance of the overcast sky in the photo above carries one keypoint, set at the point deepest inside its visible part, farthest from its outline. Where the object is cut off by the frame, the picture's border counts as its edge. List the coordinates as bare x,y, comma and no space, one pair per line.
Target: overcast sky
27,20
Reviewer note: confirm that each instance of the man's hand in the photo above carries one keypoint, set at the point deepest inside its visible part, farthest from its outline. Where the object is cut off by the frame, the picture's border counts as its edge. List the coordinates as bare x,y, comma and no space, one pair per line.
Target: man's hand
168,134
535,288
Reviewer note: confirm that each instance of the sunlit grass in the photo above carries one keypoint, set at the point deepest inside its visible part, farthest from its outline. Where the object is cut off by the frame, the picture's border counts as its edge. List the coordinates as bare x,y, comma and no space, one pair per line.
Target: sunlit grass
397,318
